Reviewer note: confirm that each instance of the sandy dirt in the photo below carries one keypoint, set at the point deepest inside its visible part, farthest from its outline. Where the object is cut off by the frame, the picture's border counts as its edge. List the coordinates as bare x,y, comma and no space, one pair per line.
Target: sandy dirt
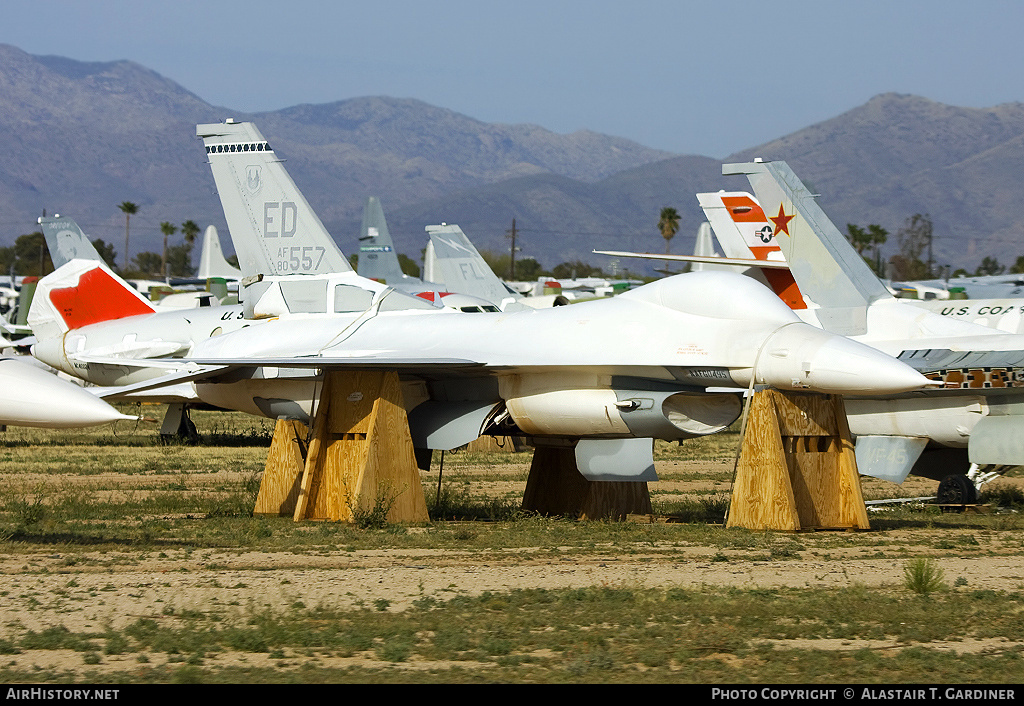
93,591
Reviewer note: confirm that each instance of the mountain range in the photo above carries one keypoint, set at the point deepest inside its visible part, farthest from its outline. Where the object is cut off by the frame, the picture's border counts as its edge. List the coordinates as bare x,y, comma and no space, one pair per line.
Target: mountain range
79,138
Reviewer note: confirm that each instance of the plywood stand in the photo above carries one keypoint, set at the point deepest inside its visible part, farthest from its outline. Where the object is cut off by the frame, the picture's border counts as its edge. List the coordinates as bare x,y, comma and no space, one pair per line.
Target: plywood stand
279,489
797,468
360,456
556,487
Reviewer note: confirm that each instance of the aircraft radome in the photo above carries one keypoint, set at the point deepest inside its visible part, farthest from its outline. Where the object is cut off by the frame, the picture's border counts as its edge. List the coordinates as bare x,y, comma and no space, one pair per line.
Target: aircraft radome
33,397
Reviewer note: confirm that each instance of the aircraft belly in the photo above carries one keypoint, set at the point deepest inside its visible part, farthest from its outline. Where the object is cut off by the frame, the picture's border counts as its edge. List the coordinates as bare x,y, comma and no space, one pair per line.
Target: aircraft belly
275,398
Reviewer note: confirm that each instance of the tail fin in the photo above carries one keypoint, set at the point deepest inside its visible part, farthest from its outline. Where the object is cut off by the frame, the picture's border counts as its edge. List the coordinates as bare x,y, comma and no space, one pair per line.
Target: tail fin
80,293
273,228
745,233
459,267
211,260
829,270
66,241
377,257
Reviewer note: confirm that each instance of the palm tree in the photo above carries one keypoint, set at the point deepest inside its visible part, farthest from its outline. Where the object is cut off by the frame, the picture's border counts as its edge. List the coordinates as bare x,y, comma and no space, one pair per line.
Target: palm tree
168,229
668,225
190,231
129,209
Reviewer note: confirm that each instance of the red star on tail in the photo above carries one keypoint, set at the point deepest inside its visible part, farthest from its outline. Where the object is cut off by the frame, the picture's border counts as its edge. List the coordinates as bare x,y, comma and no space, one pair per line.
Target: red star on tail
781,221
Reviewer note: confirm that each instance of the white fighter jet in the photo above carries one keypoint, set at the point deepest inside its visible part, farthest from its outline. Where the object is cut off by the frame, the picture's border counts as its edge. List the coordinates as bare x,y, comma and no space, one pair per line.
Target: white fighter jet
961,433
608,376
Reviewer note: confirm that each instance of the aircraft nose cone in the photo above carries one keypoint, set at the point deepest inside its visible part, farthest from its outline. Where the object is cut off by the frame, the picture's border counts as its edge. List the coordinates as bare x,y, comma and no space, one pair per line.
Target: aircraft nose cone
30,397
800,356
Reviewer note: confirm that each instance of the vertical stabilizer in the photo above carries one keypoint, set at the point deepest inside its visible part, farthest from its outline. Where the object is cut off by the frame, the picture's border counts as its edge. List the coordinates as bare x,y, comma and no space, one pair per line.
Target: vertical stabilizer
377,257
744,232
212,262
66,241
80,293
829,270
458,266
273,228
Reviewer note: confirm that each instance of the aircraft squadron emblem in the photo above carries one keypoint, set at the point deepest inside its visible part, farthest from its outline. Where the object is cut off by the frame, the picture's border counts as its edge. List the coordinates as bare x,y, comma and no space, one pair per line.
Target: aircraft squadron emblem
253,179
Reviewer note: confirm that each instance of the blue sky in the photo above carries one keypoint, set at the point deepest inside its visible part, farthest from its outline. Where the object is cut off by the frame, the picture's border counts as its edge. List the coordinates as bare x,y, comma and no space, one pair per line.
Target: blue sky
707,78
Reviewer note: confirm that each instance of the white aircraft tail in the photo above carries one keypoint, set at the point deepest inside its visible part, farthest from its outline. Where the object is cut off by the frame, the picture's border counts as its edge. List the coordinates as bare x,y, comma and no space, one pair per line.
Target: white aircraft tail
377,257
454,263
272,226
212,262
745,233
830,272
80,293
66,241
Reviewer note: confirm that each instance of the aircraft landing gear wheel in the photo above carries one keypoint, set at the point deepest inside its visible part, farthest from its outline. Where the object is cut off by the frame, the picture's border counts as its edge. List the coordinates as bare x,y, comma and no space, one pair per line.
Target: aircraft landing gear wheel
957,489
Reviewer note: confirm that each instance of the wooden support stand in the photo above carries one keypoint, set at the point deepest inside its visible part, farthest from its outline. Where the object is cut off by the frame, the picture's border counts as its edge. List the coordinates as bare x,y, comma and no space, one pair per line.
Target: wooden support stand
556,487
360,456
279,489
797,468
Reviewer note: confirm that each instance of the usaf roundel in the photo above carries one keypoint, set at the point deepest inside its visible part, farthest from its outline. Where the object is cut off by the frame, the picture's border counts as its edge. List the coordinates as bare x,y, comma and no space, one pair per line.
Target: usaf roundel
765,234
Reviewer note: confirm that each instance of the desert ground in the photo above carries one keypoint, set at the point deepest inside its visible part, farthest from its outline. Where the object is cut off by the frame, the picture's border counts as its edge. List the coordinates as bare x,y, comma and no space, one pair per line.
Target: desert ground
106,533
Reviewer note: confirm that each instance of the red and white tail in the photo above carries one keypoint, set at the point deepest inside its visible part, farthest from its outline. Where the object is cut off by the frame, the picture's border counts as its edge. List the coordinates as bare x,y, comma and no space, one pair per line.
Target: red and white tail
744,232
80,293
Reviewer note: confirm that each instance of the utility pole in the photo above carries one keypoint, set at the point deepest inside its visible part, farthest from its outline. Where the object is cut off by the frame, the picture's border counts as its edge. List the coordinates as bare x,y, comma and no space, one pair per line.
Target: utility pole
512,257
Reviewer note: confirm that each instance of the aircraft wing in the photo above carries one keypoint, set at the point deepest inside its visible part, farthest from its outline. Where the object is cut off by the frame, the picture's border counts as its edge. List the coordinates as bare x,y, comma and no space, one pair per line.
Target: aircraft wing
190,372
351,362
711,260
979,371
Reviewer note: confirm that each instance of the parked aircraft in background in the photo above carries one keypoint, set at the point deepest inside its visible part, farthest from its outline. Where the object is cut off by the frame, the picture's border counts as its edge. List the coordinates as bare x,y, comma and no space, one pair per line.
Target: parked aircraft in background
453,262
829,284
212,262
66,241
33,397
275,231
378,258
1009,286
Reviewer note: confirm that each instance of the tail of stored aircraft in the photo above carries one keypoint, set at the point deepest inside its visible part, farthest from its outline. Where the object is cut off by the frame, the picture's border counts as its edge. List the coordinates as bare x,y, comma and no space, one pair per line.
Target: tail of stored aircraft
273,228
745,233
80,293
66,241
212,262
377,257
830,272
454,263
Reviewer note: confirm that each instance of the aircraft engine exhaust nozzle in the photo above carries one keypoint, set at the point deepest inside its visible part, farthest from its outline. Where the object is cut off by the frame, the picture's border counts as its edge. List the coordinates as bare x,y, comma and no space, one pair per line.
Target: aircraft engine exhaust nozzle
800,356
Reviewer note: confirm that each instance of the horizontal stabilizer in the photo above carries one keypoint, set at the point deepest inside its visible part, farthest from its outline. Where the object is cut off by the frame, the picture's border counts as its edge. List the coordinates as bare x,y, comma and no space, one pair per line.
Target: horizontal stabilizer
739,262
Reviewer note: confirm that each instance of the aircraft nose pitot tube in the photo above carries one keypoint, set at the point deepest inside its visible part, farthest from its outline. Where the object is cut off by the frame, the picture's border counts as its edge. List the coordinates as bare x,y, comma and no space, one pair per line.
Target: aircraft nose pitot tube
800,356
